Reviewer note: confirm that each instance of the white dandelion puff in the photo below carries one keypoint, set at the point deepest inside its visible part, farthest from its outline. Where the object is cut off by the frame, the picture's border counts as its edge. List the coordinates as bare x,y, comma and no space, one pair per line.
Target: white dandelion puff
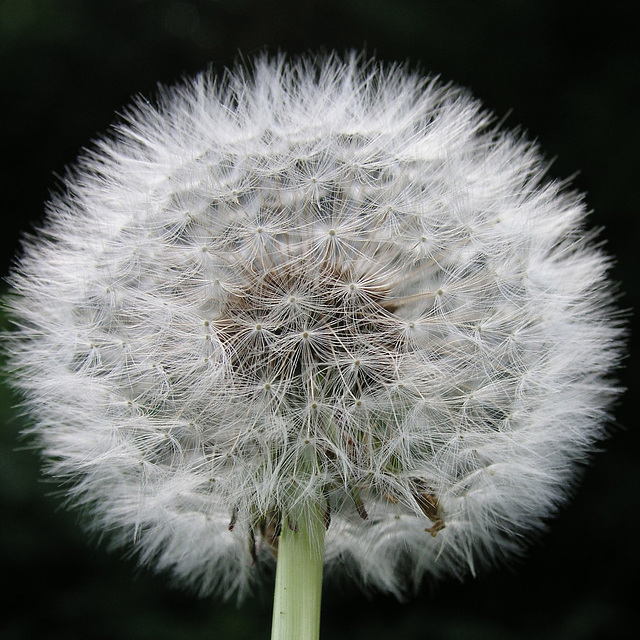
325,283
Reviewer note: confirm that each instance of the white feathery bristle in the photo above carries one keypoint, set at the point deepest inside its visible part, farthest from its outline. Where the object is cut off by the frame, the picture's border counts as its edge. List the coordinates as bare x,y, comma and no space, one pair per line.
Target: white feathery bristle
321,282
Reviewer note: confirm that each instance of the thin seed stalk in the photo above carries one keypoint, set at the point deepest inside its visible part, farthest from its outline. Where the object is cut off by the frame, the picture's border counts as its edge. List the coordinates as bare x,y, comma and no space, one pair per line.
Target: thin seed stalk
298,590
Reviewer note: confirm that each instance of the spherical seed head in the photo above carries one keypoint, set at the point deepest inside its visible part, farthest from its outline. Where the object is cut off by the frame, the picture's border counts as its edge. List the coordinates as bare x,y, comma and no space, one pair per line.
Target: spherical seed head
325,282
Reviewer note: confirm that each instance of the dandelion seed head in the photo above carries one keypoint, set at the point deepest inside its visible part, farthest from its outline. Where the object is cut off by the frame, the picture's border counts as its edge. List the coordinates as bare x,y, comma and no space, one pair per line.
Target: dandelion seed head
322,282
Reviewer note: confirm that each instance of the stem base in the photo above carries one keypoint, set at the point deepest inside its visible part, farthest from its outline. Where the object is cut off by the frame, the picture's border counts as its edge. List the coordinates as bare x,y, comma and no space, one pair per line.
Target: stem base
298,590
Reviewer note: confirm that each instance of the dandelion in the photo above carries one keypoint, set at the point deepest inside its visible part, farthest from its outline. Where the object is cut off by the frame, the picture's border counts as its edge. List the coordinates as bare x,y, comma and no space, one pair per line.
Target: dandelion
320,311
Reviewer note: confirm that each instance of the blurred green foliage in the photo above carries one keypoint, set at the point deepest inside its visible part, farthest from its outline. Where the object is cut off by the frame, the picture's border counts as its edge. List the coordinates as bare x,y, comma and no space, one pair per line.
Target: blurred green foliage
571,76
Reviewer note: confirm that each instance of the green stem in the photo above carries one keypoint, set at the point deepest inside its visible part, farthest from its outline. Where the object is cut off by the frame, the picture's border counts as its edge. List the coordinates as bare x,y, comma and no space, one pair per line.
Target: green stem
296,602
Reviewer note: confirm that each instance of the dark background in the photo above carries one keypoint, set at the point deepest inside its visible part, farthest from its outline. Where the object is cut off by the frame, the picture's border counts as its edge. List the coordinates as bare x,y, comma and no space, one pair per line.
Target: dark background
569,74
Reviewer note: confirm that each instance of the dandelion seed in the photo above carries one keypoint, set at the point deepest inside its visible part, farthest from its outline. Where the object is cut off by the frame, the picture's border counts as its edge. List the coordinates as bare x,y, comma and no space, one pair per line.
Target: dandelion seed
409,334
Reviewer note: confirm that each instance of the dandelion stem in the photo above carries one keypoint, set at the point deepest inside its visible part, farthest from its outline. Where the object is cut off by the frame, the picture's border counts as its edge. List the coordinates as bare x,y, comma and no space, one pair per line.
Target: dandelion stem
296,603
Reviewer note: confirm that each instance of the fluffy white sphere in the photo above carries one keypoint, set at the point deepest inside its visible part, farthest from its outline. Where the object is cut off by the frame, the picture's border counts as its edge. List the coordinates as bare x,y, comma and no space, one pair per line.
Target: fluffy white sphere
327,282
